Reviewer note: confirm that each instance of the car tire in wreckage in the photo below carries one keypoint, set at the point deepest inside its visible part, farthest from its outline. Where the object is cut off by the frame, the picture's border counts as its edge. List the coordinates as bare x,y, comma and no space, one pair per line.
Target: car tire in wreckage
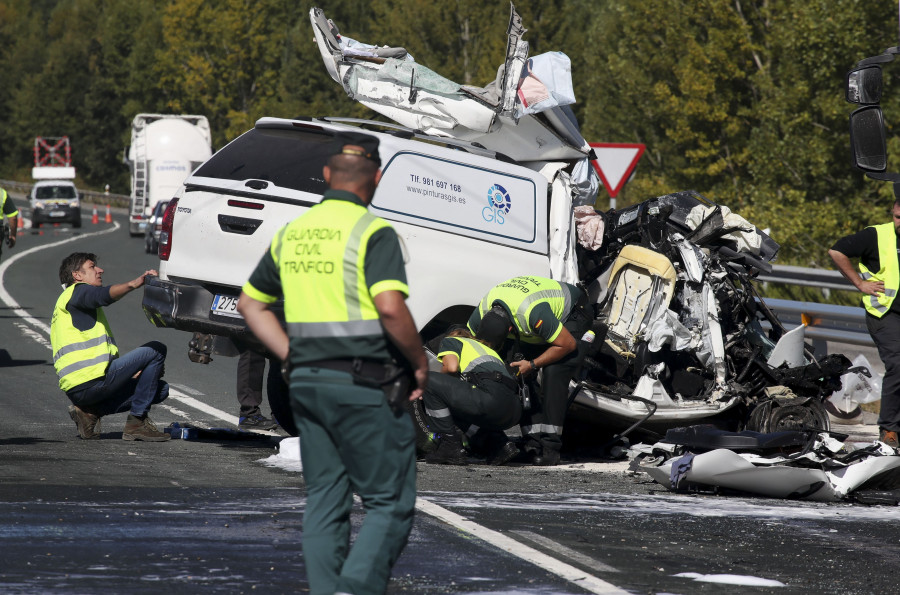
780,414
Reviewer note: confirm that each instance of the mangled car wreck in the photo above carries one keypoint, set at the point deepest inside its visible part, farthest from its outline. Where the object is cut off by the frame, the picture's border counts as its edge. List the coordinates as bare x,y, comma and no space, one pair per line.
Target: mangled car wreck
682,333
484,184
687,336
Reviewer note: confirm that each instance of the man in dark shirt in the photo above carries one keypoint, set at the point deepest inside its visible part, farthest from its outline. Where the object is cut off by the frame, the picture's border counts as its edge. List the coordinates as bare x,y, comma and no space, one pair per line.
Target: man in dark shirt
878,278
86,358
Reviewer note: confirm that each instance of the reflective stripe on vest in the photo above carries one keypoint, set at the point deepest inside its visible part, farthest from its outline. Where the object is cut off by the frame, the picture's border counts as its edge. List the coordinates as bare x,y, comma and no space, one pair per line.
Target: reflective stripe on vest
558,296
79,356
889,273
474,353
321,259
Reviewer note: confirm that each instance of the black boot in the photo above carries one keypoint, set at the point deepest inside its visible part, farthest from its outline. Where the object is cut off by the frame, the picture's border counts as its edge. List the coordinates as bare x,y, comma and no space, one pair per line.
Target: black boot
450,451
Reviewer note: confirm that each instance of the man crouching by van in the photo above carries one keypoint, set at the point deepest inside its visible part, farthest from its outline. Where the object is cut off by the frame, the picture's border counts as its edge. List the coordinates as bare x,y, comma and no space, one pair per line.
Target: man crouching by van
86,358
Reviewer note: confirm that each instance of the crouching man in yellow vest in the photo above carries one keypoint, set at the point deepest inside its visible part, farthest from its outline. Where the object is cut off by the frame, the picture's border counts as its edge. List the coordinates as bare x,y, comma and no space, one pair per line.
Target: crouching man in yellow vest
86,358
878,250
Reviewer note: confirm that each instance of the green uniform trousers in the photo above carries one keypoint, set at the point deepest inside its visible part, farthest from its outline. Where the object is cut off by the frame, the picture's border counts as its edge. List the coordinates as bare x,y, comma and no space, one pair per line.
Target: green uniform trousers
351,441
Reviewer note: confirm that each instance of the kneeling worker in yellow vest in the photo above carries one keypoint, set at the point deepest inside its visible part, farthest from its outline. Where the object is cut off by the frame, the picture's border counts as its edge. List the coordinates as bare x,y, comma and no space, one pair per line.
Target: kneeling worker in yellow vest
475,393
95,378
345,311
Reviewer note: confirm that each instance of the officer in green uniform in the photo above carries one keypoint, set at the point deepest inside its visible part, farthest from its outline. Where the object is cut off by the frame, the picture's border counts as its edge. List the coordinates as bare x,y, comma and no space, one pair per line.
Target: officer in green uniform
8,209
878,250
341,272
545,318
474,391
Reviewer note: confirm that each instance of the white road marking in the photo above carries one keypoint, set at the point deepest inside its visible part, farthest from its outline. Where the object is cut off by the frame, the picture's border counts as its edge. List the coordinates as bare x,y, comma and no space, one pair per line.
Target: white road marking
575,576
568,552
8,299
33,334
201,406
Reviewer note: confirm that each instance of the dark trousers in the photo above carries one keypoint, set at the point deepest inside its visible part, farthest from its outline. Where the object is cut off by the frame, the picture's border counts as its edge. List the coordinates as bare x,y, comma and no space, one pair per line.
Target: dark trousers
352,441
451,401
251,369
118,391
885,332
543,424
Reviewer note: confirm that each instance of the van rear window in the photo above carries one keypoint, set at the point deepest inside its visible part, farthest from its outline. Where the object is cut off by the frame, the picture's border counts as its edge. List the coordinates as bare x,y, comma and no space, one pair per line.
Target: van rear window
287,158
47,192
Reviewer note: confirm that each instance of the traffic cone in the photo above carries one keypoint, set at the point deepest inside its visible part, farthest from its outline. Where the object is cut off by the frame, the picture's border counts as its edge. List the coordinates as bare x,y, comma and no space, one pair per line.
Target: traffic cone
108,218
21,224
95,218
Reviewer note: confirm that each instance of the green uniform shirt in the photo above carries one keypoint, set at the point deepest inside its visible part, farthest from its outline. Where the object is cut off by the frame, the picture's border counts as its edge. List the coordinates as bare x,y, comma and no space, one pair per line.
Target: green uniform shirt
546,314
383,270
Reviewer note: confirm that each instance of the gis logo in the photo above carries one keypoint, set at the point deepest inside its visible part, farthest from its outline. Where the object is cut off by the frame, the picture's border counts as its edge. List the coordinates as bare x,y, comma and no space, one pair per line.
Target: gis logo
499,205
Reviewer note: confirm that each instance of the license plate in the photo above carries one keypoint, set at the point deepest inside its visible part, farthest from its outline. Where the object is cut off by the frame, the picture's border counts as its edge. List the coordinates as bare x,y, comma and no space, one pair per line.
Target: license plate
57,213
143,227
225,305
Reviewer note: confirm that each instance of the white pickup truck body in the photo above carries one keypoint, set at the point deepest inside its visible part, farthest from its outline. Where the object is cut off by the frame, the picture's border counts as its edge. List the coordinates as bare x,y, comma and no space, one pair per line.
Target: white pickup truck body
466,220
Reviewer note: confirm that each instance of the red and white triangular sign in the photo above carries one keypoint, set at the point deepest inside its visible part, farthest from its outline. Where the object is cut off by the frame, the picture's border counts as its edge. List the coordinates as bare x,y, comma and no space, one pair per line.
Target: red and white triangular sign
615,162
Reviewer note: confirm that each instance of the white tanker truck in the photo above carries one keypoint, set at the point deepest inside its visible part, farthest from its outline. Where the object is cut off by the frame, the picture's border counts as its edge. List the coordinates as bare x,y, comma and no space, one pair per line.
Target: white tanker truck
165,149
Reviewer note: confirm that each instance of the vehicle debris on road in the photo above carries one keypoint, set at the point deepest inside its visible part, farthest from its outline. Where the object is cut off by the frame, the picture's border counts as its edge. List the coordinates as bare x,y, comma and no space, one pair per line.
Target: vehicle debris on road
792,464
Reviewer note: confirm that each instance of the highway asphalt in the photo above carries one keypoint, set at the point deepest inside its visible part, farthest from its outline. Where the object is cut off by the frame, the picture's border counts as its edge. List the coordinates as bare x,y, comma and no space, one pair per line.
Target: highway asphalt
211,516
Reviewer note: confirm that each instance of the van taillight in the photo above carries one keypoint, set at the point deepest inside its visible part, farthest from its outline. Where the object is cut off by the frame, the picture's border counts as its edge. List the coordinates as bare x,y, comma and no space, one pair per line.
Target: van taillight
165,234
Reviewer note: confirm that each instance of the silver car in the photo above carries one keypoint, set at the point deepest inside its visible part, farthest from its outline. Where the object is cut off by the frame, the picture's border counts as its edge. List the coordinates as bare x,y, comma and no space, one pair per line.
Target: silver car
154,225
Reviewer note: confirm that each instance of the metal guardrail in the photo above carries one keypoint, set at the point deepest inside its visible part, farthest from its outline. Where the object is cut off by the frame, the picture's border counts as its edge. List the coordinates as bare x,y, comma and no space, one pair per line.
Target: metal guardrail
806,277
88,196
827,322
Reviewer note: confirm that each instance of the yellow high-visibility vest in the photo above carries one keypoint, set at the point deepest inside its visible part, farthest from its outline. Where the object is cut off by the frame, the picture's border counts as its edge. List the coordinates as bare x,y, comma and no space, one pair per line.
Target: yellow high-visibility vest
79,356
321,259
475,353
522,294
889,273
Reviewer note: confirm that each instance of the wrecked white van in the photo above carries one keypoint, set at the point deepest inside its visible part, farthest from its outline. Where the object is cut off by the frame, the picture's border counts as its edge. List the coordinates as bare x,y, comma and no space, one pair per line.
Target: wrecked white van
483,184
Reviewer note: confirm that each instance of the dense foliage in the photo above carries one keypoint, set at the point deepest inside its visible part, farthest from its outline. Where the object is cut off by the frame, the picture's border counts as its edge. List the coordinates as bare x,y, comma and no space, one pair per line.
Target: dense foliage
741,100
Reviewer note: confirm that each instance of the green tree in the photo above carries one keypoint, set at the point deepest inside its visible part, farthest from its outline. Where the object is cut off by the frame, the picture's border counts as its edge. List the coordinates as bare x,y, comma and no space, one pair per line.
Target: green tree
222,59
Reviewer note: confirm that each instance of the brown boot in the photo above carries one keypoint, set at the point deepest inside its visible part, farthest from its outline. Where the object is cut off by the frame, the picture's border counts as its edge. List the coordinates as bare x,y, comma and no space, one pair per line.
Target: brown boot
85,422
141,428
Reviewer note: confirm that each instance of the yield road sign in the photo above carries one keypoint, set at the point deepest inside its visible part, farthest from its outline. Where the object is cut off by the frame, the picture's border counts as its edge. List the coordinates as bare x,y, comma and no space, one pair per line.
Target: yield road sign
614,163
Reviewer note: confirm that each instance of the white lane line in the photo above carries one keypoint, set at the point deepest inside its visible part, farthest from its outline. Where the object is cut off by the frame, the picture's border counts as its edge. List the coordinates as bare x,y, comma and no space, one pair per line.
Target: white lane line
42,340
568,552
201,406
8,299
575,576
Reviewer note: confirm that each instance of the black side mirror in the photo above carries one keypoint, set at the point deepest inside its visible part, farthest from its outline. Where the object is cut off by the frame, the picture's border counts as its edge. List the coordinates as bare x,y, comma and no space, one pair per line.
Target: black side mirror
864,85
868,140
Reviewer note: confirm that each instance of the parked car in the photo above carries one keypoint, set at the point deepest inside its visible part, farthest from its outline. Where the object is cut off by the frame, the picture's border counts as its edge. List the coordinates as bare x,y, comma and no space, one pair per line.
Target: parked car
154,226
55,201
